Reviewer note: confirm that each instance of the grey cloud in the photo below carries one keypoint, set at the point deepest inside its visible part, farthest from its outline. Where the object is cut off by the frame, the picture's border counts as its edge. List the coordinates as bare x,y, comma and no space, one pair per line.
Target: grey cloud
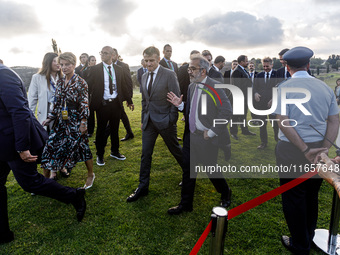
112,15
16,50
232,29
17,19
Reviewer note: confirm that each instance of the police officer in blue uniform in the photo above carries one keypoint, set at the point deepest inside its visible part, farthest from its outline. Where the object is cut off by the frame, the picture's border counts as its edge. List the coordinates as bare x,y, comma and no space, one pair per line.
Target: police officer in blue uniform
300,145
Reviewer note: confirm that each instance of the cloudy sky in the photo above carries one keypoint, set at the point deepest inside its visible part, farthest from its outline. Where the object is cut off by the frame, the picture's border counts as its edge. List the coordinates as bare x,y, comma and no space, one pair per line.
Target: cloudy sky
257,28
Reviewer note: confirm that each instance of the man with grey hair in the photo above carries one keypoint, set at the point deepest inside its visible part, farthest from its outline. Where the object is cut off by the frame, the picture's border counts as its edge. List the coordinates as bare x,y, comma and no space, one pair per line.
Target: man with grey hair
159,117
200,135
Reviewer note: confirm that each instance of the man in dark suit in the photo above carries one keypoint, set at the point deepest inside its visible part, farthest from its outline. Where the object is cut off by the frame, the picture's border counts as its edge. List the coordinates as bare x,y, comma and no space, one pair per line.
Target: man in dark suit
80,69
282,73
128,83
219,63
140,73
159,117
184,78
264,83
22,141
166,61
228,73
201,138
212,73
241,79
252,71
108,92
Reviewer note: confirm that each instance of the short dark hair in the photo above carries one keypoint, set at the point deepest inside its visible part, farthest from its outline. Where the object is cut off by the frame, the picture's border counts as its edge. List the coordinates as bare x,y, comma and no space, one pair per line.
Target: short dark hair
166,45
151,50
87,55
194,52
115,50
206,53
283,52
241,58
219,59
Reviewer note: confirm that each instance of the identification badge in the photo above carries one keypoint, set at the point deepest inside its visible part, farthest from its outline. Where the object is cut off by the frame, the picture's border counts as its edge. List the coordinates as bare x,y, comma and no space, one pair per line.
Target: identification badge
64,113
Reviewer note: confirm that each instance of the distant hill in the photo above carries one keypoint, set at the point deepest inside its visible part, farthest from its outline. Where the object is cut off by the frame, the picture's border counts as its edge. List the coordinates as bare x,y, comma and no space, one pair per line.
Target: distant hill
25,73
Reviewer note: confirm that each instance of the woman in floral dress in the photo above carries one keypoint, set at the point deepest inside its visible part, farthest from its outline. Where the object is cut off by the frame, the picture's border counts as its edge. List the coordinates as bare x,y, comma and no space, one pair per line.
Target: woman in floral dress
68,142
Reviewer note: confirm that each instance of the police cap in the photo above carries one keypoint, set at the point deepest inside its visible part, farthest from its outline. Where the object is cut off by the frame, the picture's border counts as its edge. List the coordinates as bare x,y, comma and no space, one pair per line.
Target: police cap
298,56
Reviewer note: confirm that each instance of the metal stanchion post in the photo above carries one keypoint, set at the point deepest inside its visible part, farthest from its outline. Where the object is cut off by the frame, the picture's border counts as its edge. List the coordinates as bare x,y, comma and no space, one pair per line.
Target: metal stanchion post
219,219
329,240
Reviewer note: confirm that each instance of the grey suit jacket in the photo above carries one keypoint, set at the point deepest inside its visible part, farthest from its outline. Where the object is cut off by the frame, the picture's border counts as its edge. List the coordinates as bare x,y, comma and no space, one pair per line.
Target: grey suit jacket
156,107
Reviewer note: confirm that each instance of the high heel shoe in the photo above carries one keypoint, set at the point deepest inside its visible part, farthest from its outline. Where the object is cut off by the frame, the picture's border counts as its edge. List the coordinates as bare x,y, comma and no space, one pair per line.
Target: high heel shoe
64,173
87,187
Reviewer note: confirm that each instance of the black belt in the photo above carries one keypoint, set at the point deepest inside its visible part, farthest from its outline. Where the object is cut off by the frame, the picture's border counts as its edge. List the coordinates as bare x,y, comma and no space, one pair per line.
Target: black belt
108,101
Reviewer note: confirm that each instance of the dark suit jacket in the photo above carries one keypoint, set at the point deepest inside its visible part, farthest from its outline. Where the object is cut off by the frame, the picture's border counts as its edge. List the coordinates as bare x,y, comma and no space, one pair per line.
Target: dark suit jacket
183,80
140,73
264,89
19,129
96,85
127,77
218,111
214,74
164,64
280,73
240,78
227,77
78,71
156,107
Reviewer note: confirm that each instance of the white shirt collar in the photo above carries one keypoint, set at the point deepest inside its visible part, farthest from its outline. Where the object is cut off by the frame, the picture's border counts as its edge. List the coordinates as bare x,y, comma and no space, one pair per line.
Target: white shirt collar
155,71
106,65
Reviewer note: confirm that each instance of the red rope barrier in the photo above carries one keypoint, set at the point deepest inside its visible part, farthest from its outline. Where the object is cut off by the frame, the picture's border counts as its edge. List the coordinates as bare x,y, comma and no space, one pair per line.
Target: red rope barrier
201,240
253,203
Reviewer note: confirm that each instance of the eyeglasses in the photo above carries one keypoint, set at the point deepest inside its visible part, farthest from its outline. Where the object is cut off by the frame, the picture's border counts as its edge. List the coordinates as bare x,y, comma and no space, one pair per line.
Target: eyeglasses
103,53
193,69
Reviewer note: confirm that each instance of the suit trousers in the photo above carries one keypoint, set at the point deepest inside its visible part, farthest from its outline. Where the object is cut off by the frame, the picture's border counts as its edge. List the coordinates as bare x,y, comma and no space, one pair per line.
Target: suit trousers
263,128
126,122
91,122
108,114
149,137
195,149
300,204
31,181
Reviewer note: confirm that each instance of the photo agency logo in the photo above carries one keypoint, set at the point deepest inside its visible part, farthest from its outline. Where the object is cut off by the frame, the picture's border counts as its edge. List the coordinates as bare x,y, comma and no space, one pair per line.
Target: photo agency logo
204,97
238,105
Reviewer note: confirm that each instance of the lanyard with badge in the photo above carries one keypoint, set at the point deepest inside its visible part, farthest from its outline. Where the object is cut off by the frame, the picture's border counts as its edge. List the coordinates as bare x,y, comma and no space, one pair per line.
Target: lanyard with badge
64,109
114,85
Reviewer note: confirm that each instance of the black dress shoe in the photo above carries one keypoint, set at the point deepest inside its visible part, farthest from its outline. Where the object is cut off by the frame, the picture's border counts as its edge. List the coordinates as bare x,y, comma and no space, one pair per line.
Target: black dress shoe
262,146
127,137
248,133
117,156
137,194
6,237
179,209
287,242
79,203
100,161
235,137
226,199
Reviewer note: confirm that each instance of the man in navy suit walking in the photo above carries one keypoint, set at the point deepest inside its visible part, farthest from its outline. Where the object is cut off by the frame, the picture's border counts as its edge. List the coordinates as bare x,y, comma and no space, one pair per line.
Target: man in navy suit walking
22,141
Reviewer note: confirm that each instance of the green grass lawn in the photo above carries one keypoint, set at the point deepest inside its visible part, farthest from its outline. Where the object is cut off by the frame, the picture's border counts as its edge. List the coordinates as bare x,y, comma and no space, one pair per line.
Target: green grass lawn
112,226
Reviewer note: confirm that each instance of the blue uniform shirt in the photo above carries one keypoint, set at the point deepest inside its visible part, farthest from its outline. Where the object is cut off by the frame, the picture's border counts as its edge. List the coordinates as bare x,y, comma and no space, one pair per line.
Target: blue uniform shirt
321,105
